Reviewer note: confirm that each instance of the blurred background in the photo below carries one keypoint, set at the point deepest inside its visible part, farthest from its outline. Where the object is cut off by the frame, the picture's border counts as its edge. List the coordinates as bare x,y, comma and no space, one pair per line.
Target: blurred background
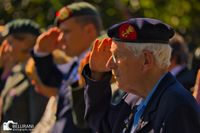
183,15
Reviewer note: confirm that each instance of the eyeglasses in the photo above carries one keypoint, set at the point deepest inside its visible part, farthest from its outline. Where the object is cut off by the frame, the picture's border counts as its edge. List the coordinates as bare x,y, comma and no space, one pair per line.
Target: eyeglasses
118,56
114,58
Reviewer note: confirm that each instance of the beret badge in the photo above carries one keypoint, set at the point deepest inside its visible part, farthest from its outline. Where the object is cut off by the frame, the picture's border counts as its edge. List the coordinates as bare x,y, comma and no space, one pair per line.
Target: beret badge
63,14
127,32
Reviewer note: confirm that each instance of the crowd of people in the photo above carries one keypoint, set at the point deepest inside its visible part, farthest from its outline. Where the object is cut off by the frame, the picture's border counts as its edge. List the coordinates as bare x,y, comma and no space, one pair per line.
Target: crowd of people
137,77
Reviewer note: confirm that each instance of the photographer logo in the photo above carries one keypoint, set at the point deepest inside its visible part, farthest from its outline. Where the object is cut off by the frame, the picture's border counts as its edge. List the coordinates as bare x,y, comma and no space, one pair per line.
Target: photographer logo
14,126
8,125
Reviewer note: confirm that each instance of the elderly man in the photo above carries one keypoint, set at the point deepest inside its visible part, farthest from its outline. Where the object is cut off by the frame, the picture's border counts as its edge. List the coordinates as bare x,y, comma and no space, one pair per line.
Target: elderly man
138,56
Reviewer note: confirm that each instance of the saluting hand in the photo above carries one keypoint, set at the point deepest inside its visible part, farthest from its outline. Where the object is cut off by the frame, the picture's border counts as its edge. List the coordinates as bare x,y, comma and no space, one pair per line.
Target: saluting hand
7,60
48,41
99,57
6,55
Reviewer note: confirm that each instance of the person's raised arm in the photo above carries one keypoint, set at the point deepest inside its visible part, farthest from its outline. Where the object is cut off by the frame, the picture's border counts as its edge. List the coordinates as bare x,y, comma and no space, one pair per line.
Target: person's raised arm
98,89
46,68
99,57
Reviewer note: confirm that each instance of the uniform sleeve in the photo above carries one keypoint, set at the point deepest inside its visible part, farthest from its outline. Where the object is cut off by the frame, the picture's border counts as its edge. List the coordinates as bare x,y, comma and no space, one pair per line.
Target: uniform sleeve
97,100
47,70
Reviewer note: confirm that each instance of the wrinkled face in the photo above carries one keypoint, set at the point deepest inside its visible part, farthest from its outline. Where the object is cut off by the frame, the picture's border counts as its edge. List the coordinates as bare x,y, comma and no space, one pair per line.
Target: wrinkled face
21,47
126,67
73,37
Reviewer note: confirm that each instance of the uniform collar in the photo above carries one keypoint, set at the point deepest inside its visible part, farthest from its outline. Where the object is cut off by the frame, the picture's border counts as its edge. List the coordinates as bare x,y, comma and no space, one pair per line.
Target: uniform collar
152,105
141,108
177,69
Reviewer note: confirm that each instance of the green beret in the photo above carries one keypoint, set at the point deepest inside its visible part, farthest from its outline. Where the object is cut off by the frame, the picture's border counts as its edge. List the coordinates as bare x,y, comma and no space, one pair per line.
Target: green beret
21,26
75,9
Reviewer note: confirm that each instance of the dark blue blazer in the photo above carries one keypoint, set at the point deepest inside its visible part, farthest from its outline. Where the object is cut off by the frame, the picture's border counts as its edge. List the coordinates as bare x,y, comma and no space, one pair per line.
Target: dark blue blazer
171,109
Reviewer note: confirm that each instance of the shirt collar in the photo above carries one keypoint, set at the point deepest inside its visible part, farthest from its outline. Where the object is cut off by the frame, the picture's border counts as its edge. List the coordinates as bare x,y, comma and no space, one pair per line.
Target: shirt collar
64,68
153,90
177,69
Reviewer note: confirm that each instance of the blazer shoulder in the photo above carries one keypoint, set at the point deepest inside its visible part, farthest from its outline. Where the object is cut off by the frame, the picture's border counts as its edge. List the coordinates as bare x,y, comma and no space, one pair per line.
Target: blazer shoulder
176,95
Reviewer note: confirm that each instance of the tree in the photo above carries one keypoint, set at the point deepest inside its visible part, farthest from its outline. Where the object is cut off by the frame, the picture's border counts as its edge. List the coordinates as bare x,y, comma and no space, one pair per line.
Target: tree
181,14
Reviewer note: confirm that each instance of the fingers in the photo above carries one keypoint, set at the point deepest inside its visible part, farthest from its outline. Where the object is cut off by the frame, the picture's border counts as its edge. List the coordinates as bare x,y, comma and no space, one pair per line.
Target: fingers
54,33
7,49
5,46
48,41
96,45
56,36
105,45
5,52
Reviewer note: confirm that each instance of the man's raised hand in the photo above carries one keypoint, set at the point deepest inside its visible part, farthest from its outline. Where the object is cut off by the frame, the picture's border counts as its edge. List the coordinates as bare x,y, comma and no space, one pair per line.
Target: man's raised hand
48,41
99,56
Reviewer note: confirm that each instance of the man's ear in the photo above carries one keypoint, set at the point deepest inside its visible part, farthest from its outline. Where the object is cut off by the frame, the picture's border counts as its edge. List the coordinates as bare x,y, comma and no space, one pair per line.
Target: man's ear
148,60
90,30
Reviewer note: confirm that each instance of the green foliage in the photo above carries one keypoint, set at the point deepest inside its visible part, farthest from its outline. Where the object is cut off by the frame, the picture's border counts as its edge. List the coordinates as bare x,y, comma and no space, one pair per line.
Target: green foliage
183,15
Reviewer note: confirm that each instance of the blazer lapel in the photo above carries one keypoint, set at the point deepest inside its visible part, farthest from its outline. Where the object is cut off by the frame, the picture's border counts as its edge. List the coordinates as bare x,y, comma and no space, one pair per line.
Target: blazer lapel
146,118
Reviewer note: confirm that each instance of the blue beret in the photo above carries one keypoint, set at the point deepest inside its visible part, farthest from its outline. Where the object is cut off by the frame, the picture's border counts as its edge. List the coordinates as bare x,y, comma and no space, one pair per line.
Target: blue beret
141,30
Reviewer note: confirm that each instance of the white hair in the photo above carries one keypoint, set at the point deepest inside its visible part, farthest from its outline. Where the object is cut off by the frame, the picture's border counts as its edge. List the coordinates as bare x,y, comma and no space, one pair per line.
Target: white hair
161,51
